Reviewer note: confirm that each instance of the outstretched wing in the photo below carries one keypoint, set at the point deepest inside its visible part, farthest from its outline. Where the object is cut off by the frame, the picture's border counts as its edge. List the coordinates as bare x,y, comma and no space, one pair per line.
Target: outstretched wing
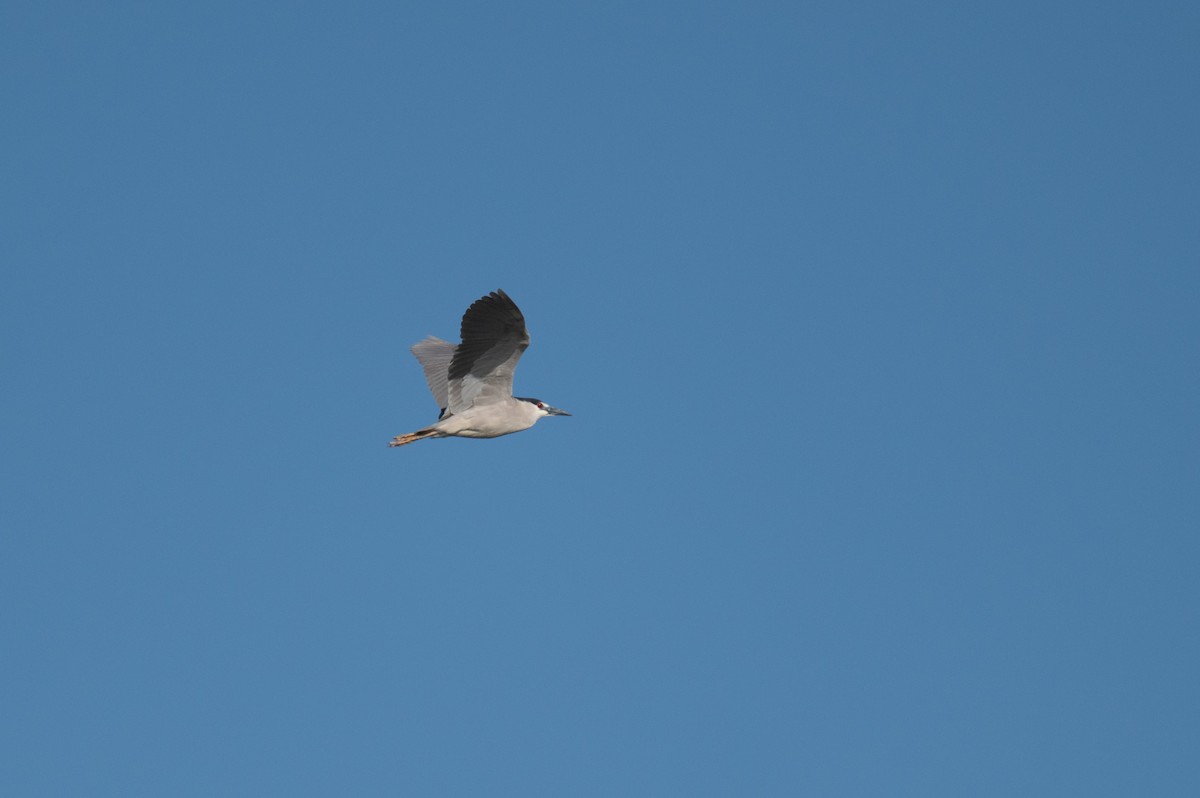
493,338
435,355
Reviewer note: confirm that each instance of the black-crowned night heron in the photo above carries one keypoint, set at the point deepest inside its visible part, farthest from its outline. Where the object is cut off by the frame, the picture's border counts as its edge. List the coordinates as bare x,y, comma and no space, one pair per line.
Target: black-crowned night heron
472,382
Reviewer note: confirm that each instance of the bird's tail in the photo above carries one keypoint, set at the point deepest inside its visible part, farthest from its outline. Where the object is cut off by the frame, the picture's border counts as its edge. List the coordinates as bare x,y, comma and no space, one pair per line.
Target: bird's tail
428,432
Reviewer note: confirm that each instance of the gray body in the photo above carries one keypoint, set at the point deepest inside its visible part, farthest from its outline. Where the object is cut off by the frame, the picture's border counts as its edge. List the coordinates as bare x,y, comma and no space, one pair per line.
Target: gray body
472,381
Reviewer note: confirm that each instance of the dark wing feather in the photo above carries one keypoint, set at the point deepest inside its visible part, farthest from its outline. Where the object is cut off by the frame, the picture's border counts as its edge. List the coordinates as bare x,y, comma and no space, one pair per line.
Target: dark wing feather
493,338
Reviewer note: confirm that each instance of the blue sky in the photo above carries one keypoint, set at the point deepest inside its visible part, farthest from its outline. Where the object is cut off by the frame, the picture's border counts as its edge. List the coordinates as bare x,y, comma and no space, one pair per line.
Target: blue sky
879,327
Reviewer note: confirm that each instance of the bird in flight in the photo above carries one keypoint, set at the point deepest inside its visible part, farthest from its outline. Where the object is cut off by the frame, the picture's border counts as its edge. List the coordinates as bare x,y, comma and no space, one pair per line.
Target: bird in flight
472,382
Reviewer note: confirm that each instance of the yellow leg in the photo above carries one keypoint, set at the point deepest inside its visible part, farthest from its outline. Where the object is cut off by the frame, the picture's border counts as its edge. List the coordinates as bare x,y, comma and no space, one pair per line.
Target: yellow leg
401,440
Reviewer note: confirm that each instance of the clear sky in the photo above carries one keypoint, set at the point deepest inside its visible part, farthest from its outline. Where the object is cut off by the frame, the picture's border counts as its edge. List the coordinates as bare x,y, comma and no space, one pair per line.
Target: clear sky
879,322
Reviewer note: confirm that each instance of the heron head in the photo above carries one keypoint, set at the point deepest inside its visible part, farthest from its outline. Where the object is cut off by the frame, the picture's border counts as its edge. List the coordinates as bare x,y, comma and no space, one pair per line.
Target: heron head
543,408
